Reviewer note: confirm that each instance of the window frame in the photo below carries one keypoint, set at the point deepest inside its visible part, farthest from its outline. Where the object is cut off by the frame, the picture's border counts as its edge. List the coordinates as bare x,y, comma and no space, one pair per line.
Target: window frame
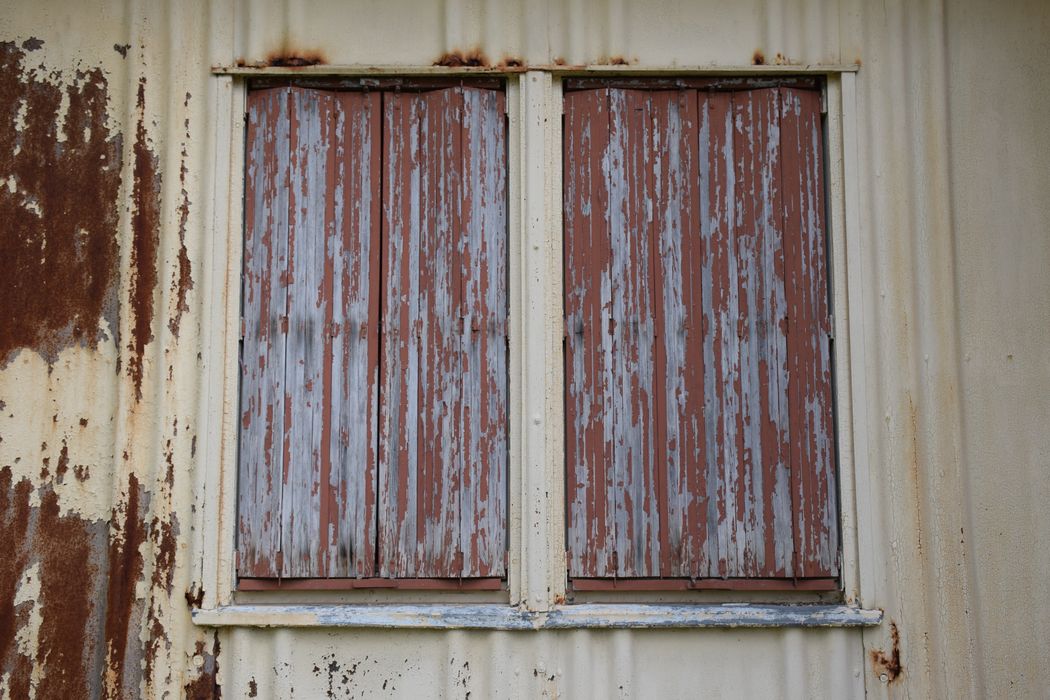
537,572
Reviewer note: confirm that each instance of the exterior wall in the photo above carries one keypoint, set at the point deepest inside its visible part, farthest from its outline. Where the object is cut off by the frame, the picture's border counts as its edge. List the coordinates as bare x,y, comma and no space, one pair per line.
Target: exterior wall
105,377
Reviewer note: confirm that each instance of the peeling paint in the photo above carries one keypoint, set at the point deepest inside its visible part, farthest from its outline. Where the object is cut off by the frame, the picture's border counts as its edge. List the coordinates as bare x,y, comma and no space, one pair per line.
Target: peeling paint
205,684
58,273
145,242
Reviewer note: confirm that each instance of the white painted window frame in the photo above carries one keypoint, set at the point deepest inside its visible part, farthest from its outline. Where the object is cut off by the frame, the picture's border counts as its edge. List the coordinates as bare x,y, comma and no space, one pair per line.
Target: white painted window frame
537,571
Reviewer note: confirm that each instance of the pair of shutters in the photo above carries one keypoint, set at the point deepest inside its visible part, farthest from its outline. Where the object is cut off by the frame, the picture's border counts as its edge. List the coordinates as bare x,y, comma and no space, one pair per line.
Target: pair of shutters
699,440
373,436
698,380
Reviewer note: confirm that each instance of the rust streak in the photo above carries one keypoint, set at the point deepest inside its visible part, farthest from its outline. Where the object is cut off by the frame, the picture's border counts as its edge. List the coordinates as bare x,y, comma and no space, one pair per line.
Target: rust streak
182,280
145,241
888,664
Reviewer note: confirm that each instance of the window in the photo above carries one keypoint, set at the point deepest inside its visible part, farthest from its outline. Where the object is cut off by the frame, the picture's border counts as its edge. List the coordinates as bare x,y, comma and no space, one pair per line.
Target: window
699,447
699,438
373,433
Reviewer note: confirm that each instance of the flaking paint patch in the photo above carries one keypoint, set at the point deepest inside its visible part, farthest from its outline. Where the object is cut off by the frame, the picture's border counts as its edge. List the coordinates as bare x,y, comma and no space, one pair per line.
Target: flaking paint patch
205,685
86,630
59,270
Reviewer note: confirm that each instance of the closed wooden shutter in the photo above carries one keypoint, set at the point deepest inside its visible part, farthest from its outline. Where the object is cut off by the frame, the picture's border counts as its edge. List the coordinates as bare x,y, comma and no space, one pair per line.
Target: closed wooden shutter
373,435
698,377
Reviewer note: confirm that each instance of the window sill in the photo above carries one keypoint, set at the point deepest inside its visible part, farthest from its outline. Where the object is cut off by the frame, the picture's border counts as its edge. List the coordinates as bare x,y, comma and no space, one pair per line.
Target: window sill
501,617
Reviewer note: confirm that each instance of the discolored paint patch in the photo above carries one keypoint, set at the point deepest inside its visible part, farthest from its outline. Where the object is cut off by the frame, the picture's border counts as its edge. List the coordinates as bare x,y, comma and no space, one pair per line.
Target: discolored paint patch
888,665
59,184
473,58
145,241
205,685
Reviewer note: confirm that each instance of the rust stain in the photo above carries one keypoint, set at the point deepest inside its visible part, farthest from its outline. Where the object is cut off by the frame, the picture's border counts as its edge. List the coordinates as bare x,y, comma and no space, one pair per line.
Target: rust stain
205,685
512,62
290,57
888,665
472,58
32,43
14,524
194,596
67,659
758,58
122,49
88,640
253,688
182,281
145,241
59,184
780,60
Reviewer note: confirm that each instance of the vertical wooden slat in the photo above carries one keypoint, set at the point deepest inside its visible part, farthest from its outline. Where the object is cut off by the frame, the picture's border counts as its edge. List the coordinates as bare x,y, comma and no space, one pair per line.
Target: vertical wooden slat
264,316
630,375
443,398
591,532
812,444
353,247
720,313
763,419
305,393
679,342
440,323
399,375
483,272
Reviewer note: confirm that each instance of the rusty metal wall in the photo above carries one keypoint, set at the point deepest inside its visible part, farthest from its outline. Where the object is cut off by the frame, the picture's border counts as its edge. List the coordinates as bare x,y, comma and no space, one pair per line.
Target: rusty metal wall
107,153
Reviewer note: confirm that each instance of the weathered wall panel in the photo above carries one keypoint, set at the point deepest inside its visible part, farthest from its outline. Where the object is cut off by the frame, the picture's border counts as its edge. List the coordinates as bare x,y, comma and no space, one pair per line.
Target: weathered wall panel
950,181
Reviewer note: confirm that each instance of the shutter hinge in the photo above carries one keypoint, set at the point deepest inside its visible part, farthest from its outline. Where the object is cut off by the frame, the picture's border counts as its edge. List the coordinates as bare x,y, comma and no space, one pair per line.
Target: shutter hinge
243,325
824,101
831,326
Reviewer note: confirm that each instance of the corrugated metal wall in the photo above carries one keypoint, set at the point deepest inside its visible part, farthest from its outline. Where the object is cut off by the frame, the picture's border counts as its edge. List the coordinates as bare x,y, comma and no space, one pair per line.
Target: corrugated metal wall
106,273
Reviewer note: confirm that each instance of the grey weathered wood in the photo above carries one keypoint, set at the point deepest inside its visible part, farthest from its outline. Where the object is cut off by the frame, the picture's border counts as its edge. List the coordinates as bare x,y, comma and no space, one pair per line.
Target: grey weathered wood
310,137
353,248
261,461
483,509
